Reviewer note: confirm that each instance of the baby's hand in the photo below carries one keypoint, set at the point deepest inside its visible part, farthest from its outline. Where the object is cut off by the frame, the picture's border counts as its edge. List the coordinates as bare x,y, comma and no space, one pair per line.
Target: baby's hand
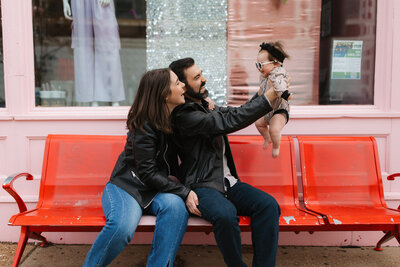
211,104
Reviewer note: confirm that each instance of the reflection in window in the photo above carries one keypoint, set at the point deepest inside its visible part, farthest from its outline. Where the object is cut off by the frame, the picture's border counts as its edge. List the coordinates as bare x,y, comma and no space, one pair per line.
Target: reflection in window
90,54
331,44
2,94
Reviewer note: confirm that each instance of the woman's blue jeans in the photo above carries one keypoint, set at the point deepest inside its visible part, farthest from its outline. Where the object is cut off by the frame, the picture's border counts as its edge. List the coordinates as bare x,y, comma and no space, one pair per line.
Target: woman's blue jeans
123,214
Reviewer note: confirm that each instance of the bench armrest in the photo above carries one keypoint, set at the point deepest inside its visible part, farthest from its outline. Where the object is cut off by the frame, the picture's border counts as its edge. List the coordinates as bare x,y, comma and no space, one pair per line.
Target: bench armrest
8,186
392,176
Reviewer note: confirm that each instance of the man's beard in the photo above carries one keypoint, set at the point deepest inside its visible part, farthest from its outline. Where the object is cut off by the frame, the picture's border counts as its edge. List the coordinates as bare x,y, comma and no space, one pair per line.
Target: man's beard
197,95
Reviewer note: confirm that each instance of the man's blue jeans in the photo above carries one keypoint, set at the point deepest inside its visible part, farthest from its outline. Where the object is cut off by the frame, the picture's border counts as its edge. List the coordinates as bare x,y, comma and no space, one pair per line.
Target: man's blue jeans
123,214
222,212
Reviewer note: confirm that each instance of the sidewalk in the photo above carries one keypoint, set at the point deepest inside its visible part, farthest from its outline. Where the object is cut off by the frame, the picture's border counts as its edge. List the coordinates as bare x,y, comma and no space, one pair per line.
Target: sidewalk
207,256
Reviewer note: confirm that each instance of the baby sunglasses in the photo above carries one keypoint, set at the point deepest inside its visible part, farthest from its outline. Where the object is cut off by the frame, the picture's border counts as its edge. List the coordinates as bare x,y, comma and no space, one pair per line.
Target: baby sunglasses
259,65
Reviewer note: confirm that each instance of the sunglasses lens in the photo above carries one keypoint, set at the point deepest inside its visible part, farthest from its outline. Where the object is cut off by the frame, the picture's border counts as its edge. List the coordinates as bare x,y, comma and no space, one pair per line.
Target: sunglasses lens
258,65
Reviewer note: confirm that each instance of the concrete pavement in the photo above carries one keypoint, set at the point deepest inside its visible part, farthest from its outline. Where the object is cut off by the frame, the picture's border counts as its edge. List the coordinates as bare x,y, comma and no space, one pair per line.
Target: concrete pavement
207,256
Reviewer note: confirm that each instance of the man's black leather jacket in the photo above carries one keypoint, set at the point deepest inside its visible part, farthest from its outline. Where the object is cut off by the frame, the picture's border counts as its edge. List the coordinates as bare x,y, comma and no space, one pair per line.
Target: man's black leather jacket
199,132
142,169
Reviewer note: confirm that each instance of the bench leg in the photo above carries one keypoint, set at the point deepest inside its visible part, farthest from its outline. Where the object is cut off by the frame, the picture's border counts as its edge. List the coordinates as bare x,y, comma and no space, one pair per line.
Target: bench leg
23,238
388,236
38,236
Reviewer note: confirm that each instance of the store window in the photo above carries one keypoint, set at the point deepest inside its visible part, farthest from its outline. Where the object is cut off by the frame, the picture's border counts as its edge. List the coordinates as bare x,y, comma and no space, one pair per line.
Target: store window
2,94
331,44
86,53
98,56
347,52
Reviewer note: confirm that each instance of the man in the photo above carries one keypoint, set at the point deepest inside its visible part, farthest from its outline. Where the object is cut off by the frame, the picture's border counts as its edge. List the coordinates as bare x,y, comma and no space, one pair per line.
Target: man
208,169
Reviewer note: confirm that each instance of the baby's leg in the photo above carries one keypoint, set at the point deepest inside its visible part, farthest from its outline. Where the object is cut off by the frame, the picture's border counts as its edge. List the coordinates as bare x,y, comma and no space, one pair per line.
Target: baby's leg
276,125
262,127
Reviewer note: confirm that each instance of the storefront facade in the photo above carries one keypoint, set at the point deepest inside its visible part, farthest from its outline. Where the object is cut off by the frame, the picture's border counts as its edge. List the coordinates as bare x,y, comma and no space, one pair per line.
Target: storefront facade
334,94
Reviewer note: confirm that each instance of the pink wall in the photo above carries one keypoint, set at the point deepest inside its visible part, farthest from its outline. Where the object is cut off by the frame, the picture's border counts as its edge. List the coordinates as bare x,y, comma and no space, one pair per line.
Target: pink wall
23,127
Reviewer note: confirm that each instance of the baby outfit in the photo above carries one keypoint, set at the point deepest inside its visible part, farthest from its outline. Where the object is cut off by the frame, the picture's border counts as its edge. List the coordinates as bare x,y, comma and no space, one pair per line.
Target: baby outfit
278,78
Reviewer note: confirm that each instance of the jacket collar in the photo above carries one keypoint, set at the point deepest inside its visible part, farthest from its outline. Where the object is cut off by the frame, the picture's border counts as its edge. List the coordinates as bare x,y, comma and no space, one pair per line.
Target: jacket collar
204,103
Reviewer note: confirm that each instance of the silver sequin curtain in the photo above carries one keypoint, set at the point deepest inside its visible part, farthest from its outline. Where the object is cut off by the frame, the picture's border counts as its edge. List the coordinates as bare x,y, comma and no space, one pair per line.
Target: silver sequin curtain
189,28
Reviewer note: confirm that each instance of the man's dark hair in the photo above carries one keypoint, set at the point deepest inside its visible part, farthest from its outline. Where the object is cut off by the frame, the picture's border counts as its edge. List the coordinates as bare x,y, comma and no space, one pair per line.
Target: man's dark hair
179,66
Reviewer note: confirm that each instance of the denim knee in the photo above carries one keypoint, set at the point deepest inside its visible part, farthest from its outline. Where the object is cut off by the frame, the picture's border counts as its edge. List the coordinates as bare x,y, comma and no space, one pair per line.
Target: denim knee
275,206
227,217
122,229
173,204
271,207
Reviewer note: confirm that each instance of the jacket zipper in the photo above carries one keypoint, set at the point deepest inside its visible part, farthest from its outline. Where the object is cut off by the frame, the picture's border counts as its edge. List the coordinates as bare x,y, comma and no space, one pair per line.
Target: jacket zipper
135,176
168,173
150,201
165,152
223,174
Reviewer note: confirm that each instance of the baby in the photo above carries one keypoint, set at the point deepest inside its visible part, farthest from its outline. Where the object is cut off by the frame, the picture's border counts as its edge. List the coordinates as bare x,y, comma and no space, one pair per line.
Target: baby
269,63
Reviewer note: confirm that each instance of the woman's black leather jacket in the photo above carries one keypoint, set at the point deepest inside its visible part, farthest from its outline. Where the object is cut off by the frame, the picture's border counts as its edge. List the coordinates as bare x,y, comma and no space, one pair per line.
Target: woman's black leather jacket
144,167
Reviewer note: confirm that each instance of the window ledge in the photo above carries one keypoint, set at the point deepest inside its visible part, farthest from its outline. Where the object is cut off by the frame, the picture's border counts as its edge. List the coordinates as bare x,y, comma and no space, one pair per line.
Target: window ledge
86,113
341,112
120,113
5,116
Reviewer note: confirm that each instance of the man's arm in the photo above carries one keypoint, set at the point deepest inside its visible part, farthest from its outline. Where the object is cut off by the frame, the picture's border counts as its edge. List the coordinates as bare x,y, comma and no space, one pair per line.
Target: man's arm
190,120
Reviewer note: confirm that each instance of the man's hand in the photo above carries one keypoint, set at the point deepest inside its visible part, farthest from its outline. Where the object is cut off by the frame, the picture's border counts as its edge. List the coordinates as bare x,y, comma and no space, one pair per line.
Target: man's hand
192,202
271,94
211,104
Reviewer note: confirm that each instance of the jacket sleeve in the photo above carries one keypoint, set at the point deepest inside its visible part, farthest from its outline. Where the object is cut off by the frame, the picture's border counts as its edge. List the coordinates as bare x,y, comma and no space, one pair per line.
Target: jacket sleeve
145,152
190,120
227,108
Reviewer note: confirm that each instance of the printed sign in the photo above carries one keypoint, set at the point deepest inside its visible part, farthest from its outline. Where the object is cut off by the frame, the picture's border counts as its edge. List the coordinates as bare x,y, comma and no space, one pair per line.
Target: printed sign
346,59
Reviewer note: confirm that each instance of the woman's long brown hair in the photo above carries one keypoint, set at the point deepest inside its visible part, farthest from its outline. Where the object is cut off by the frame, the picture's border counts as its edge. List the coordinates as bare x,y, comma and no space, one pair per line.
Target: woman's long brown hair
150,102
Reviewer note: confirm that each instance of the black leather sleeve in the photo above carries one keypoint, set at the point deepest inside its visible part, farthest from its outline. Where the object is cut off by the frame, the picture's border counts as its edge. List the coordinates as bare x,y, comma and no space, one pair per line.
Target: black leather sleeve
146,152
228,108
191,120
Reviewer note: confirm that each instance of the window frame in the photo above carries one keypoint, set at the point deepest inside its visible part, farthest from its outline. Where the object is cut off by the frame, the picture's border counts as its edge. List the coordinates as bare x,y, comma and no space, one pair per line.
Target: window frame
20,87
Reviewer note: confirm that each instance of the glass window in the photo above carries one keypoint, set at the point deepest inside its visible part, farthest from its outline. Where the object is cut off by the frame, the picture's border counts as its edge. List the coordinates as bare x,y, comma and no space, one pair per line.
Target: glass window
347,52
2,94
331,44
88,54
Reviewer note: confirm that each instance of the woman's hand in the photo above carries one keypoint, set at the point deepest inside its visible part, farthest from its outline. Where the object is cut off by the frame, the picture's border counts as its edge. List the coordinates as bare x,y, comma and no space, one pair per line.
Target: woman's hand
211,104
192,202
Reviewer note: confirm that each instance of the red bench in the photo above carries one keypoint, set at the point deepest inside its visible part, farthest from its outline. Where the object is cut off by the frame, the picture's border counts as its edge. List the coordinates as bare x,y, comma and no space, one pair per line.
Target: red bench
342,182
277,177
76,168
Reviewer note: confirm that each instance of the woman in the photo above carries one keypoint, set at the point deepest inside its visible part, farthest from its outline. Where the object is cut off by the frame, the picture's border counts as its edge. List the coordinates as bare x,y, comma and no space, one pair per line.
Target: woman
142,179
